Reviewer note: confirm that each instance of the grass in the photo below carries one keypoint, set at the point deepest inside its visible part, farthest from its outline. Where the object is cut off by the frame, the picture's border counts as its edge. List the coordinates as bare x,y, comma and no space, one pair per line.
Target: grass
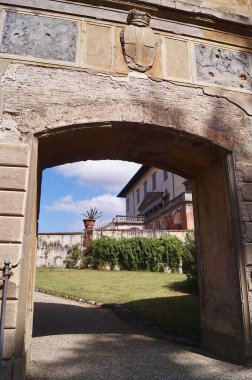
160,299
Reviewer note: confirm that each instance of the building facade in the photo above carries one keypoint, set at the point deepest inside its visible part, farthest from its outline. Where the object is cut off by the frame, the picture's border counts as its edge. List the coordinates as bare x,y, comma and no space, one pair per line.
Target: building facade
161,198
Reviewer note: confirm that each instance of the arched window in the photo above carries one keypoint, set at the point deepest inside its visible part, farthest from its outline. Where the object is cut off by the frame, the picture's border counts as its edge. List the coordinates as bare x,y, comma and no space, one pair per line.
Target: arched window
178,220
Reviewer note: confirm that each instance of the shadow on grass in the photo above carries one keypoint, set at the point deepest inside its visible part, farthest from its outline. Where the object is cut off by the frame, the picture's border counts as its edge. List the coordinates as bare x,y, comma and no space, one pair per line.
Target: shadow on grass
178,315
186,286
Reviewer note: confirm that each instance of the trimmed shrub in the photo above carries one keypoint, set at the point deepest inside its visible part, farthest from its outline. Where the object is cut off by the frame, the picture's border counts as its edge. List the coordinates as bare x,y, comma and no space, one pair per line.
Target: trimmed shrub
102,252
173,250
136,253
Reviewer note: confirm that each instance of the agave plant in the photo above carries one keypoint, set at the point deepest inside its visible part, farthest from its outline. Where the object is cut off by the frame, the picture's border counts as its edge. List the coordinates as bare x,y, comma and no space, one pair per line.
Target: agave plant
93,213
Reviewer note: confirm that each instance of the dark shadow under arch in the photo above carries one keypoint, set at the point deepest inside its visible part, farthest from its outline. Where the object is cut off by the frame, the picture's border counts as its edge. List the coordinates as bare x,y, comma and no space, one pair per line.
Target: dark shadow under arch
161,147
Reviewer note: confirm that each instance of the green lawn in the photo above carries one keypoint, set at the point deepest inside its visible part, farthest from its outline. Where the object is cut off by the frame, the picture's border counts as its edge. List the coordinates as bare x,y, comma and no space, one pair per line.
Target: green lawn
159,298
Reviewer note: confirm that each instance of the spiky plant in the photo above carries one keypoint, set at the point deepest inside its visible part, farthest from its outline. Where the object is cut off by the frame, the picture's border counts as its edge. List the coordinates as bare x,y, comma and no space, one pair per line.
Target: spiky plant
93,213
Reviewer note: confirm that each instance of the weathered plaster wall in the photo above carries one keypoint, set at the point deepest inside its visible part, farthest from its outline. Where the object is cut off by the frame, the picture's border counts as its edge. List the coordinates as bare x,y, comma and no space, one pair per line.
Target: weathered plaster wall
39,99
52,248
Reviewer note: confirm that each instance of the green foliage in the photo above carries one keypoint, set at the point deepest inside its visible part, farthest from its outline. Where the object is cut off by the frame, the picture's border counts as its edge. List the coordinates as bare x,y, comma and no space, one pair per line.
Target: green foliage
190,258
136,253
74,256
93,213
102,252
173,249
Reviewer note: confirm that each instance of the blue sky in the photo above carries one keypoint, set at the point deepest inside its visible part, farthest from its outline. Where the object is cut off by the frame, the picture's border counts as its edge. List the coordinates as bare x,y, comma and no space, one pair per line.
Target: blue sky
69,190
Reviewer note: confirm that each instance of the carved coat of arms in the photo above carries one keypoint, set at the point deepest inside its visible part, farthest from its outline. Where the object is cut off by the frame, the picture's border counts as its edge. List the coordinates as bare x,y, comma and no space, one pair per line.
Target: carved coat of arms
139,43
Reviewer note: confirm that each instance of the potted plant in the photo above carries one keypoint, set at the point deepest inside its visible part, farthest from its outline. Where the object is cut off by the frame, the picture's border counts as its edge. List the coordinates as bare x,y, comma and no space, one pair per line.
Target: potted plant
91,215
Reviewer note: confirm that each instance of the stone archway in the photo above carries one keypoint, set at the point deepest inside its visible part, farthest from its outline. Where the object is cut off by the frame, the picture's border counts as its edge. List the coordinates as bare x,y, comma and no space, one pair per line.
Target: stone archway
53,112
161,140
158,140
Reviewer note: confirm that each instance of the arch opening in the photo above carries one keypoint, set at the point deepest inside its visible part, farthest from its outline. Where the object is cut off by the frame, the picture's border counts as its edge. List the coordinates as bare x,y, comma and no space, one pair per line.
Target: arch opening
190,156
185,154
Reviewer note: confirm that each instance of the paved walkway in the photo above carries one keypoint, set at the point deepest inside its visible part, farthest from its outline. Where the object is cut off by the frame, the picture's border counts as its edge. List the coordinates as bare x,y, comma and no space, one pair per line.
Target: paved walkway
75,341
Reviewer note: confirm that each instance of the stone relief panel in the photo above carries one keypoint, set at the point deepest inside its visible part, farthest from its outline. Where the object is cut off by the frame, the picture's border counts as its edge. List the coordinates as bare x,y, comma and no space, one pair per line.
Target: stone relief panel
39,36
223,67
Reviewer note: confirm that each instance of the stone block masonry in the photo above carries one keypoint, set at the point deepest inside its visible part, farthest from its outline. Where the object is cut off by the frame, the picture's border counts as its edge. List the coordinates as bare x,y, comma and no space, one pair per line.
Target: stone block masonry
13,183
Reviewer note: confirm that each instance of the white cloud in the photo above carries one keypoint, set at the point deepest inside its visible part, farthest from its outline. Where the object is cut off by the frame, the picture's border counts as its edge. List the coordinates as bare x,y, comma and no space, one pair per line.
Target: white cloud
109,175
107,203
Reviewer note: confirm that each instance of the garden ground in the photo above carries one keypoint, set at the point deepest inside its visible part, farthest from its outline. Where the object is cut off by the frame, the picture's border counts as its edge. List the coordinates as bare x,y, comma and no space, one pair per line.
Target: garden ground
159,299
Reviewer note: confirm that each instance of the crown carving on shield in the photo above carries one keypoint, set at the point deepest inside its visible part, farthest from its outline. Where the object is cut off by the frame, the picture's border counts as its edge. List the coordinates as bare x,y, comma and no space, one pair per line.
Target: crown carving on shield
138,18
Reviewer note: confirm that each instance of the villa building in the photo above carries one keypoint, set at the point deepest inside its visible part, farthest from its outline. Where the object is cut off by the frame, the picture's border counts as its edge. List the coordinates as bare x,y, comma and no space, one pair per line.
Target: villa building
161,200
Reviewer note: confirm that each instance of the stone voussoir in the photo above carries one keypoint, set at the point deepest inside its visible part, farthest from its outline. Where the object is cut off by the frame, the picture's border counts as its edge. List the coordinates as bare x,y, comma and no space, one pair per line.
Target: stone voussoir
247,192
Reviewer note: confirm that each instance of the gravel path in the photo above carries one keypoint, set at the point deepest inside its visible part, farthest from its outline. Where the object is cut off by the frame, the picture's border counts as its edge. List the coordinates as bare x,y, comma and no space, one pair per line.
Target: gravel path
77,341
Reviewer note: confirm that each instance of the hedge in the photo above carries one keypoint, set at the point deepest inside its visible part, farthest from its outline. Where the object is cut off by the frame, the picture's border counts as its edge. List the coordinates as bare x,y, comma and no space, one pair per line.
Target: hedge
136,253
155,255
